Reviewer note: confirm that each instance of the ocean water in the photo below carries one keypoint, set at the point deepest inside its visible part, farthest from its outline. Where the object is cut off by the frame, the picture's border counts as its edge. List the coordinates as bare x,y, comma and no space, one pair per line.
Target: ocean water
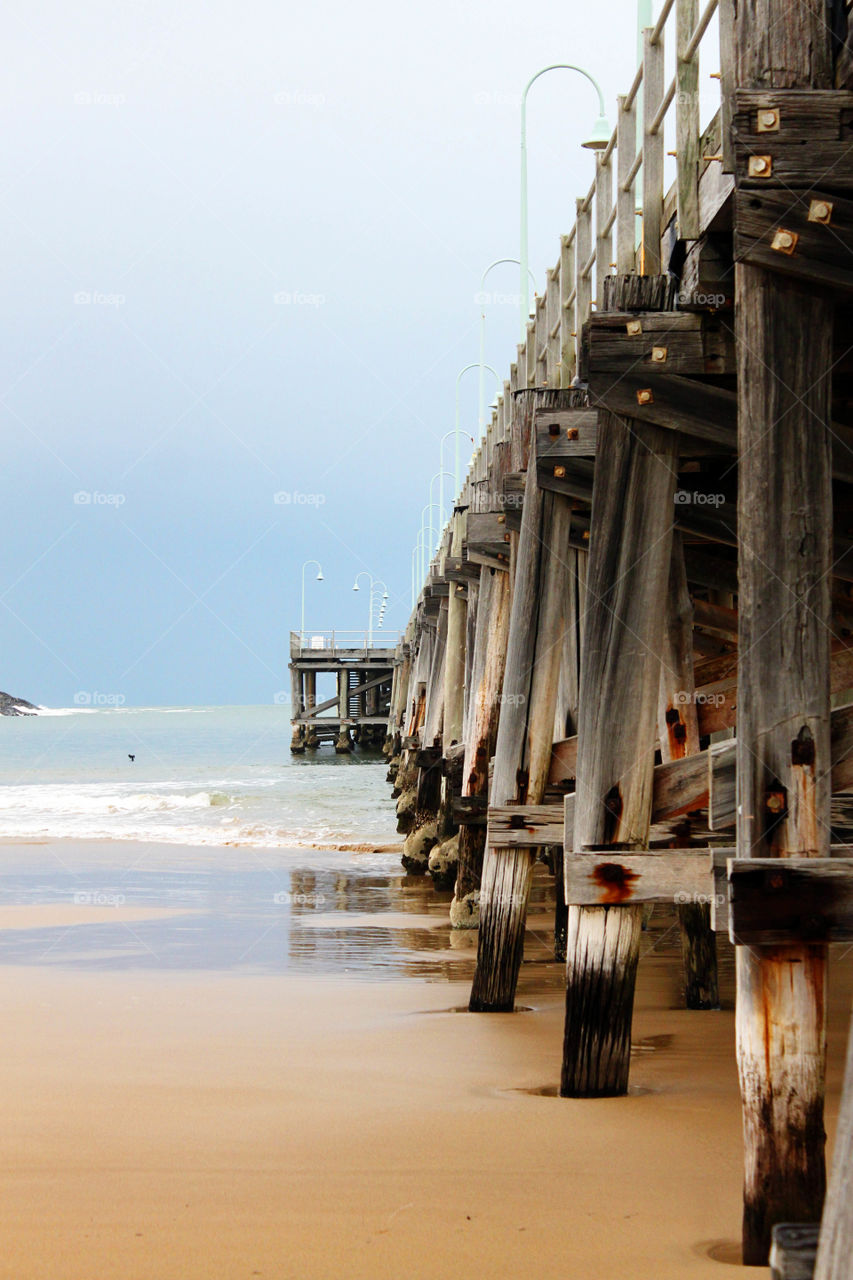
209,776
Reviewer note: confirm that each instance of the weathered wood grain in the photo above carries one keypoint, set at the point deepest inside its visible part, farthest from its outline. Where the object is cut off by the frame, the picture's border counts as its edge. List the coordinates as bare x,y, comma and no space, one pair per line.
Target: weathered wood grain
808,238
836,1234
613,878
628,574
784,336
780,901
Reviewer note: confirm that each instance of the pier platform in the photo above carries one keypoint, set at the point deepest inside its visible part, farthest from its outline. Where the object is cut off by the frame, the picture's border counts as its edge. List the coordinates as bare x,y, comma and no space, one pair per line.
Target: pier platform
357,713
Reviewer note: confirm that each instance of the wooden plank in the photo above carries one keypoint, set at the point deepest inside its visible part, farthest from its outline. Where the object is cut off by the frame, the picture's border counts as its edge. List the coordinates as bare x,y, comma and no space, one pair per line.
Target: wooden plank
687,122
722,787
780,901
564,761
665,342
525,826
812,137
679,404
571,433
626,200
603,236
808,238
568,358
583,281
653,154
612,878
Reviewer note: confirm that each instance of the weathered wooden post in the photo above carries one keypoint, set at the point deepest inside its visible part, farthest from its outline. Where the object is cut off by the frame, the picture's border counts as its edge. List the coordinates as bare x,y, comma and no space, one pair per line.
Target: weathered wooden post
445,854
626,592
343,742
784,342
487,679
424,833
835,1249
678,731
507,872
297,739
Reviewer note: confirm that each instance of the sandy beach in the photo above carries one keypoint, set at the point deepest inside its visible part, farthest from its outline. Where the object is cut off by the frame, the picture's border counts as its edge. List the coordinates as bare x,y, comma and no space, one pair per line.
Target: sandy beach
345,1121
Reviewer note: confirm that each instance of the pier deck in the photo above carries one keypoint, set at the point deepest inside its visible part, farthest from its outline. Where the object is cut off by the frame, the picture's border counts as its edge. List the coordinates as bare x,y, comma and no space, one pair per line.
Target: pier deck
635,641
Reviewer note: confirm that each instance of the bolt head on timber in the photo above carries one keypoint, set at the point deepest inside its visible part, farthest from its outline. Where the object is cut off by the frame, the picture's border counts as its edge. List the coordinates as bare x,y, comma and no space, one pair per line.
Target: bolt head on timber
760,166
820,211
785,241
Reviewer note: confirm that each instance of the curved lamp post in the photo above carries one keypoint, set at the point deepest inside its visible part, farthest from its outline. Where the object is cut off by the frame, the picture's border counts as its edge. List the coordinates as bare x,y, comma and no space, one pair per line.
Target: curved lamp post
302,616
598,139
457,476
498,262
426,543
374,583
439,476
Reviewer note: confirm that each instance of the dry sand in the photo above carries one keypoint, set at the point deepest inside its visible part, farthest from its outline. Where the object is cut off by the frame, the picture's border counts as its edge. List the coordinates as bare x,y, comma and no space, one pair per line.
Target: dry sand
179,1125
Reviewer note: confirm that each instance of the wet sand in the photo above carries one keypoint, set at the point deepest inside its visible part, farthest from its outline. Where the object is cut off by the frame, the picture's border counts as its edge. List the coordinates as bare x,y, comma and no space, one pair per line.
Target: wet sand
322,1112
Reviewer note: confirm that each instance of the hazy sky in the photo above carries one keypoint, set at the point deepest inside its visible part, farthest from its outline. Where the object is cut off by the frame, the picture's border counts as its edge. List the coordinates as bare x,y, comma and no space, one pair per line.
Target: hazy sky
169,170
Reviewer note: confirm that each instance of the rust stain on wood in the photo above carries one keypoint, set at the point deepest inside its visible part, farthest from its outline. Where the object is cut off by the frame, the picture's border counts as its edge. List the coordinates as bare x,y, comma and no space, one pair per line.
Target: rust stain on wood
615,882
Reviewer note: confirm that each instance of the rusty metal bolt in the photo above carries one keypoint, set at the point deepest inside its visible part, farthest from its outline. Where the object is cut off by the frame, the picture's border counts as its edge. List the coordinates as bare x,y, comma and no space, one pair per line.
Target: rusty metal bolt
572,433
785,241
760,166
768,120
659,355
645,396
634,327
820,211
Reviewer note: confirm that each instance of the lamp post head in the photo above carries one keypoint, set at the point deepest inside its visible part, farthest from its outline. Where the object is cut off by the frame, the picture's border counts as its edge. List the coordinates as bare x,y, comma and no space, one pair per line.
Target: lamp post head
599,135
355,586
319,575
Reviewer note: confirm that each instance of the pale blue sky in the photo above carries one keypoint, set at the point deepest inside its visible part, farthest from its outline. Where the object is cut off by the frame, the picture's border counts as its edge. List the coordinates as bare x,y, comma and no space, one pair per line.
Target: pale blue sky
182,164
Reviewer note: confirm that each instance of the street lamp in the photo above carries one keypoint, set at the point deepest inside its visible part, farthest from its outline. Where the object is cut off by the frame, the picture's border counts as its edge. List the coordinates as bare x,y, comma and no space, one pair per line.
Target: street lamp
425,553
416,564
598,139
374,583
318,579
498,262
439,476
457,476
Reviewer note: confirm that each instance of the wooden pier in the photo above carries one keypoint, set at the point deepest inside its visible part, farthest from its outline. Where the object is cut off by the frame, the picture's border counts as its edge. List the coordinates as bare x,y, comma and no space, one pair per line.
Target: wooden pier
633,655
358,711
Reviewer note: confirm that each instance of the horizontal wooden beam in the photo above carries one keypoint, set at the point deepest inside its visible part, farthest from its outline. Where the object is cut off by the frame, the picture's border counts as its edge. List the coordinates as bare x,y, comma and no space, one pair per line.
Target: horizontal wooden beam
528,826
656,342
807,237
788,137
776,901
612,878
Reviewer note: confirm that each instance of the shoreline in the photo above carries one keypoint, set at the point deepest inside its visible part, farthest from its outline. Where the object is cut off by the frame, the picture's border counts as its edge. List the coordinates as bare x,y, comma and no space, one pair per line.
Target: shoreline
304,1120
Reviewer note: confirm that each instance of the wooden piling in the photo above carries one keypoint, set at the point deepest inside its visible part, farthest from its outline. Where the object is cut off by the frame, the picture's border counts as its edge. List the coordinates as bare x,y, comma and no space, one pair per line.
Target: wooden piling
507,872
784,342
627,585
678,733
488,674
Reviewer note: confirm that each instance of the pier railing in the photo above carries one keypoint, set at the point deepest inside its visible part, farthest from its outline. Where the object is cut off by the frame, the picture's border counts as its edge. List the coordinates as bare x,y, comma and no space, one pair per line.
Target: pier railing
319,640
638,215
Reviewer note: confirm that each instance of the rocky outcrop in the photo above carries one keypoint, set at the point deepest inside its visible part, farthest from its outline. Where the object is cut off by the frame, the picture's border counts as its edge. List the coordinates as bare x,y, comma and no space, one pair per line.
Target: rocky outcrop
10,706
